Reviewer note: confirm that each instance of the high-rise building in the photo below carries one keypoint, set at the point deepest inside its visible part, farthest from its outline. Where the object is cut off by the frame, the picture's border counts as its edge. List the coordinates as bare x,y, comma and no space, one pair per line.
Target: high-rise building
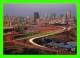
69,18
36,16
68,14
7,21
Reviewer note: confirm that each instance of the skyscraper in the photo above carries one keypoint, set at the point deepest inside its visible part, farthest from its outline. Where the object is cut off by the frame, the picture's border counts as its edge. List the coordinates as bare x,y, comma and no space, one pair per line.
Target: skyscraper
68,14
67,18
36,16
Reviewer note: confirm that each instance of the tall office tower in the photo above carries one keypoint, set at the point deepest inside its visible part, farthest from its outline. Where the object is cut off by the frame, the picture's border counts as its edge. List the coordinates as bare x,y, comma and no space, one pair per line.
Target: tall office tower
7,21
68,14
36,16
66,28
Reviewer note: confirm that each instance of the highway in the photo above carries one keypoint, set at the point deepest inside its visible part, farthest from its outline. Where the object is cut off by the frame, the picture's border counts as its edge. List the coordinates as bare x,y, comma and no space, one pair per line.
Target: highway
29,43
51,33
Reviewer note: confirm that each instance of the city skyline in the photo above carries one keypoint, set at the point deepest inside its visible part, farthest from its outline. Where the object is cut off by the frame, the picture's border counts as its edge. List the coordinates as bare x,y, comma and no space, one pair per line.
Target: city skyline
39,29
43,9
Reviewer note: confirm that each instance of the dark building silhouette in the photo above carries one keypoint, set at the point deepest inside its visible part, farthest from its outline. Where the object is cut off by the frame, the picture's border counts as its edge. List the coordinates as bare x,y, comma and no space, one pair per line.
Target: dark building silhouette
36,16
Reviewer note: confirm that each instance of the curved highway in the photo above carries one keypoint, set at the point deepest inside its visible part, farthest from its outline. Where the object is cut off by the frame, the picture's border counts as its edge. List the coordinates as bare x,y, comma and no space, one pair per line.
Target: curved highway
31,44
52,33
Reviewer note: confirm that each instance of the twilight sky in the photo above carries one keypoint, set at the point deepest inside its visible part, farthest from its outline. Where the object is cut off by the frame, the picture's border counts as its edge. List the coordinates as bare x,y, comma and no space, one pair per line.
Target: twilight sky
43,9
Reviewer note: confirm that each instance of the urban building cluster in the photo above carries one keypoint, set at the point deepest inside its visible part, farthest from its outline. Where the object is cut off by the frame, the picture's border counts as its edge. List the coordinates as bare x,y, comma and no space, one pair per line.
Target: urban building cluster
36,19
19,31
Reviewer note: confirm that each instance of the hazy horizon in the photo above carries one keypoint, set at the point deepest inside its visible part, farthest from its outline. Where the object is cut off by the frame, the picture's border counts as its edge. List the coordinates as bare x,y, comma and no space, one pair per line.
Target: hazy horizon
43,9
